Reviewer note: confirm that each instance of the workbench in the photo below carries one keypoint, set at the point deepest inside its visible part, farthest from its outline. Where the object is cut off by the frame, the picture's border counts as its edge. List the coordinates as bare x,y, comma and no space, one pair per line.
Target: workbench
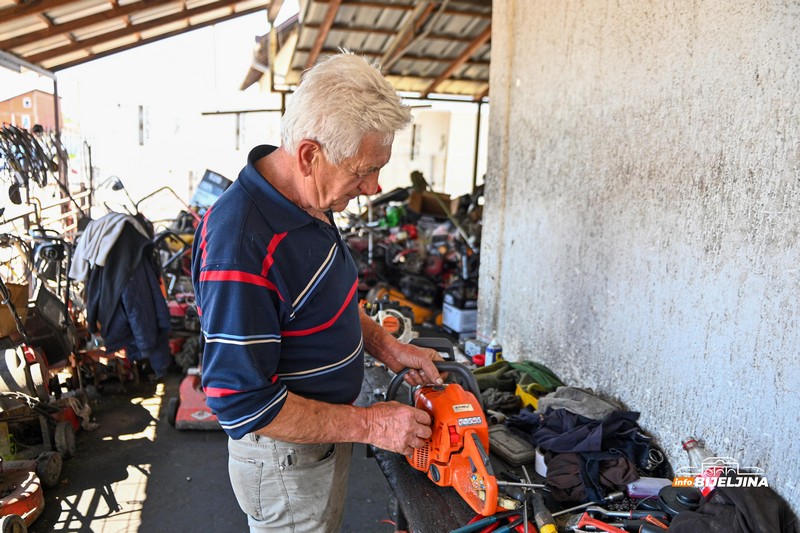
427,507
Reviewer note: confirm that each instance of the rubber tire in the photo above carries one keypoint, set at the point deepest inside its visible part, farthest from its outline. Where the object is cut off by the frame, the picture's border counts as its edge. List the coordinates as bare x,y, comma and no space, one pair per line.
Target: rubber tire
12,524
172,410
48,468
65,439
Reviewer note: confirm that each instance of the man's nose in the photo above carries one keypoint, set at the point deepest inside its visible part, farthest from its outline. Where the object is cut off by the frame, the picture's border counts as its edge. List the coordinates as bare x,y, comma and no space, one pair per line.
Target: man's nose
370,184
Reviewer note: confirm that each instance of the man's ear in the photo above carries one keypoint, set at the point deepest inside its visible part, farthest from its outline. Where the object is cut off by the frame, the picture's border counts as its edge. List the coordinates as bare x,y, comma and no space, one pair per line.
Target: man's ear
308,153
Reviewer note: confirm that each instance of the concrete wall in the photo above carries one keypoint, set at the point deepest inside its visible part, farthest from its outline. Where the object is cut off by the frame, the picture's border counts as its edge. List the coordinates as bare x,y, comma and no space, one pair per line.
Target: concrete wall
642,222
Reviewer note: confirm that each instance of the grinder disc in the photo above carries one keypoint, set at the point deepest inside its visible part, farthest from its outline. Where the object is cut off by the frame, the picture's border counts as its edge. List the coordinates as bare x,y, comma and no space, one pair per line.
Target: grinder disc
674,500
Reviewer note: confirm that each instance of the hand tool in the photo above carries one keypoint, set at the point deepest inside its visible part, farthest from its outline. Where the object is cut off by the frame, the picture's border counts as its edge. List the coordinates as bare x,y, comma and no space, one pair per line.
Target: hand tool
525,515
585,520
541,515
636,513
457,452
511,526
501,483
634,526
614,496
481,523
650,528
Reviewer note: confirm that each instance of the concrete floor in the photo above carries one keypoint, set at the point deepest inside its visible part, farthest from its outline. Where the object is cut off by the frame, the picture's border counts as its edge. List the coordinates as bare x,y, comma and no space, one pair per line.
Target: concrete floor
136,473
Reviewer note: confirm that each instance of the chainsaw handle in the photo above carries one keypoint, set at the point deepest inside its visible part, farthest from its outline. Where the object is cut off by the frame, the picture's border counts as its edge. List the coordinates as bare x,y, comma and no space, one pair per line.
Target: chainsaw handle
442,366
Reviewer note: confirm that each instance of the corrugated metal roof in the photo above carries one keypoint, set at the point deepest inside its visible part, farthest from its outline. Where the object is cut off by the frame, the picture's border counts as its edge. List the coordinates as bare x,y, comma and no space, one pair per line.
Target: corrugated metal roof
423,46
57,34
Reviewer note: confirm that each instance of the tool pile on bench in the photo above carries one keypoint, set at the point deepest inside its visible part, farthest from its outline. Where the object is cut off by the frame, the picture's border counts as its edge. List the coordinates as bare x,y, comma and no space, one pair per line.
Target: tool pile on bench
596,471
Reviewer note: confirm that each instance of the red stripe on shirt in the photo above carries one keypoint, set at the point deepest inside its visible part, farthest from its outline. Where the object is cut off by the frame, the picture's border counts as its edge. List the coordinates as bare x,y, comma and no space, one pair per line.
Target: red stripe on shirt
269,260
215,392
203,236
329,323
239,277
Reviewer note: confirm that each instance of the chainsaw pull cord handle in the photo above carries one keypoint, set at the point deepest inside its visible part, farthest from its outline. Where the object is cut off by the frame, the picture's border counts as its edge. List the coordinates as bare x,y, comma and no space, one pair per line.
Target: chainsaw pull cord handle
442,366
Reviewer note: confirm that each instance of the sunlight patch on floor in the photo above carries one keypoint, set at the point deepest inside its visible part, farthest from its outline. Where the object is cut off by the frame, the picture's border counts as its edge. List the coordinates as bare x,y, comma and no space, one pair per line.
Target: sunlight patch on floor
115,508
153,406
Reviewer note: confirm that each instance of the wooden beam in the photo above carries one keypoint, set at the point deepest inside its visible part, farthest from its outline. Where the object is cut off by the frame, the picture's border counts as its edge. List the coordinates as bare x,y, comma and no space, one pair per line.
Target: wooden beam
479,41
322,32
483,94
409,7
77,24
389,32
274,9
397,49
131,30
61,66
33,7
432,59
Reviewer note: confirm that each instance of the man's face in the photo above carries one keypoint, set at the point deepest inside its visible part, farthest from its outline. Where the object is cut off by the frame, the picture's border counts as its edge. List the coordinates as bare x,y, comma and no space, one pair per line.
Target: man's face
336,185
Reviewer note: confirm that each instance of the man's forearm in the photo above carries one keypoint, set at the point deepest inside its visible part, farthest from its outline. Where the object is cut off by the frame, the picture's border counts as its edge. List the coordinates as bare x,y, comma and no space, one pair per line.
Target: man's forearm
308,421
388,425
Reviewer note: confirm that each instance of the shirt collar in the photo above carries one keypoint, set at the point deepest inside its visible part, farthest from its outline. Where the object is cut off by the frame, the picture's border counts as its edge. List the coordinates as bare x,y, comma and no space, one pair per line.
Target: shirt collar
279,211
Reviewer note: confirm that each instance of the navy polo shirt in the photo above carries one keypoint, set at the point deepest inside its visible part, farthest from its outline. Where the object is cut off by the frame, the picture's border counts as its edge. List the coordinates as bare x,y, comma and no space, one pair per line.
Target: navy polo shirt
277,294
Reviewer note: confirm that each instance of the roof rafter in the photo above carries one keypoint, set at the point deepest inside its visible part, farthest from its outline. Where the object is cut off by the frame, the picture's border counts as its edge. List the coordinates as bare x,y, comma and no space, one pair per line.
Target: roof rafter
322,34
380,31
408,57
184,14
479,41
61,66
30,8
409,7
274,9
57,29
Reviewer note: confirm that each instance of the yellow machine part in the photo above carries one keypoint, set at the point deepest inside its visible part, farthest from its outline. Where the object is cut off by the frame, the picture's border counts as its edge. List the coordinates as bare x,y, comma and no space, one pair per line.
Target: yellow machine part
421,314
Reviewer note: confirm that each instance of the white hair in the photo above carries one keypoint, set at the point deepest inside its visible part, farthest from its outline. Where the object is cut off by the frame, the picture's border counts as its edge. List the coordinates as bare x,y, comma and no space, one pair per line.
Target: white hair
339,101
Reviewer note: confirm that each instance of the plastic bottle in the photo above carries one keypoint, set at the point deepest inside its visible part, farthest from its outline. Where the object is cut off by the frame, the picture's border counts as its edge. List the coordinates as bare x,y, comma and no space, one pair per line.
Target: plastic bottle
698,455
494,352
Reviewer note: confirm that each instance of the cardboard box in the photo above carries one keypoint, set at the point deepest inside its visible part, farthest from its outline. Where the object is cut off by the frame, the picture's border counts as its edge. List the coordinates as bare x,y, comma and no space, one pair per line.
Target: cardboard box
19,295
425,203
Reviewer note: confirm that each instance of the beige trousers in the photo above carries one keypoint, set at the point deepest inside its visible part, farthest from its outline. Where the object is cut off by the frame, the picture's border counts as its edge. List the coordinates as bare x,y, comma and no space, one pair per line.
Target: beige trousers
288,487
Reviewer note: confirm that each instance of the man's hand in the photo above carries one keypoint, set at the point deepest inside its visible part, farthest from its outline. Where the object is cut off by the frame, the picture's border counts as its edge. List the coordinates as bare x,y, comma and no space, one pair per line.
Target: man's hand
396,427
420,361
398,356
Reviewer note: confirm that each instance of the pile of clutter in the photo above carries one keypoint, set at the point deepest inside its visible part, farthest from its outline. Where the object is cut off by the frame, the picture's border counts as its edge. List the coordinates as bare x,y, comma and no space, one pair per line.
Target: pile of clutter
420,249
590,451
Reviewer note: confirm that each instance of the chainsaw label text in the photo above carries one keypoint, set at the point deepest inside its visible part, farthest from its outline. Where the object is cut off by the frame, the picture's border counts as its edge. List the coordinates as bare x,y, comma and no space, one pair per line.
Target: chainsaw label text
470,421
463,407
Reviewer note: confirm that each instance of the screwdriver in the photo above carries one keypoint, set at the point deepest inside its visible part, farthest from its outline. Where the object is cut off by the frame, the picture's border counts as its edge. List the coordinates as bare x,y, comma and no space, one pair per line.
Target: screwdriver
541,515
614,496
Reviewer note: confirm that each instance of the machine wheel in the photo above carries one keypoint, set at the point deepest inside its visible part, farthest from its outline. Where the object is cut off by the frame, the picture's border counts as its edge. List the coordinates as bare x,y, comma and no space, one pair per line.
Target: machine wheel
65,439
172,410
48,468
12,524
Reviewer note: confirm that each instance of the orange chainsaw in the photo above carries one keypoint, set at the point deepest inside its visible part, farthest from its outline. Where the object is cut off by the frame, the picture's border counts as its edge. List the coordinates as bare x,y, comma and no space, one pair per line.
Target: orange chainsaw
457,453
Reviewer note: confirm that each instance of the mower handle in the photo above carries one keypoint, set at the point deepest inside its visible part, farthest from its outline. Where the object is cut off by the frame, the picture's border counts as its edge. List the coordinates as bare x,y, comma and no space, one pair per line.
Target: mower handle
442,366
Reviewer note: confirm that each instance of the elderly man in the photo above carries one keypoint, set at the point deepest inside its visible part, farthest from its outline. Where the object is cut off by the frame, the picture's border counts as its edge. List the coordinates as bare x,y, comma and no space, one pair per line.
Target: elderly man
276,290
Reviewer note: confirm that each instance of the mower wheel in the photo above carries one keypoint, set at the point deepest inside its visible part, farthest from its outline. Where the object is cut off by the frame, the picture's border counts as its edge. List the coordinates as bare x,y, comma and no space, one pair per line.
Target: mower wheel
172,410
48,468
65,439
12,524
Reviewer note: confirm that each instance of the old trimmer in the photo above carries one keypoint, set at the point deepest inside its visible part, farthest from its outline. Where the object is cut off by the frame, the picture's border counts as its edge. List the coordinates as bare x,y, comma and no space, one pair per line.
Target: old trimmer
457,453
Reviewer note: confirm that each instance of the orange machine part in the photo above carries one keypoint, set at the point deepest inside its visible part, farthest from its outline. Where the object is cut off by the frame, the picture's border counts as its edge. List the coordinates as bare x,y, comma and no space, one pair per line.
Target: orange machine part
457,453
23,494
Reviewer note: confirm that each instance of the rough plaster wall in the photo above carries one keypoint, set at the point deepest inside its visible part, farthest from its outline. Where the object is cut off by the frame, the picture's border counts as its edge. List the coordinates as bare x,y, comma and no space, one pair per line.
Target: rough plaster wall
642,213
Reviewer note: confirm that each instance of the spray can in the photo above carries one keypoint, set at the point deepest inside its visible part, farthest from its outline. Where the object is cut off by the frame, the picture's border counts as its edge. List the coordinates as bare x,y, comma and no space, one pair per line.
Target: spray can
494,352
